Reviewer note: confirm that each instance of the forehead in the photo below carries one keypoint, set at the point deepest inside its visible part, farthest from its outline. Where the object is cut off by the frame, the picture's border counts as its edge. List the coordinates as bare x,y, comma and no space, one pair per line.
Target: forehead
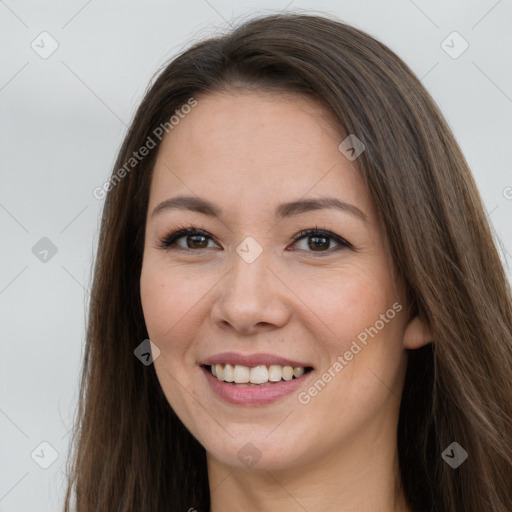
254,147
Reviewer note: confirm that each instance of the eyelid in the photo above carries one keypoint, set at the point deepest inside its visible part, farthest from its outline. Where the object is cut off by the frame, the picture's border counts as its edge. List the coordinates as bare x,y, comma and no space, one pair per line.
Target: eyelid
325,233
168,241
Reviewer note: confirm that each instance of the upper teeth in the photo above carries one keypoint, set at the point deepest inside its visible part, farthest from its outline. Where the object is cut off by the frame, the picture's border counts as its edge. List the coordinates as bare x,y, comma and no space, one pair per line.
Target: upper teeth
255,375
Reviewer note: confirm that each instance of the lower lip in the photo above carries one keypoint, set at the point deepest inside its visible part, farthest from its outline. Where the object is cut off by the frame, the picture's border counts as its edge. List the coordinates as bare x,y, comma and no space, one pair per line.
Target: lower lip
253,395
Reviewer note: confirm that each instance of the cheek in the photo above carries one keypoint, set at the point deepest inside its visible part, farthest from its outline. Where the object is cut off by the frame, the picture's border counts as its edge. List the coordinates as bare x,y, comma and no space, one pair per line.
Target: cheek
365,326
157,304
170,303
347,302
172,309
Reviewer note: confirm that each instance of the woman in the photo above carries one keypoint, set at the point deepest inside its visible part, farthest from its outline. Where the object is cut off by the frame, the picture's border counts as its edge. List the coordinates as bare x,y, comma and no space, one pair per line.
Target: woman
292,224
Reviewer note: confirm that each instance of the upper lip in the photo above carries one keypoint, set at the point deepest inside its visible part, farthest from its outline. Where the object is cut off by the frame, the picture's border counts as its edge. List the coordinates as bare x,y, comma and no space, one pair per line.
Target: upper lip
251,360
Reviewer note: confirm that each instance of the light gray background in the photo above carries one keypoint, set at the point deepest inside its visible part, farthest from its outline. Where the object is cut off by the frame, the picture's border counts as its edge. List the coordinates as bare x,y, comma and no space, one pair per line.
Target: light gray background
63,118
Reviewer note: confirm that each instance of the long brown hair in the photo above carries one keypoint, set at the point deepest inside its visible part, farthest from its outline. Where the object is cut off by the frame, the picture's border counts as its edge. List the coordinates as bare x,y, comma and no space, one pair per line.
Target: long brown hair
132,453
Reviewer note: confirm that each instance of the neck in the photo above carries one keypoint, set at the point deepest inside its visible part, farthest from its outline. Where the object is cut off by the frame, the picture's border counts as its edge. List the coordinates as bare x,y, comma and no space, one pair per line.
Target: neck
359,476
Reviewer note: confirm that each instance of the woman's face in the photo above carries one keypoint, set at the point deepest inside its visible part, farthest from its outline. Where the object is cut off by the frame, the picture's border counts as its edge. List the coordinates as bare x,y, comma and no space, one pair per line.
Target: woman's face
250,295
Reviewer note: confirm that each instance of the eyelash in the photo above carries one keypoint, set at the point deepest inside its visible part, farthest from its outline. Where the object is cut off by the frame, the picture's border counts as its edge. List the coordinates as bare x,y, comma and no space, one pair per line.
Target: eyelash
168,242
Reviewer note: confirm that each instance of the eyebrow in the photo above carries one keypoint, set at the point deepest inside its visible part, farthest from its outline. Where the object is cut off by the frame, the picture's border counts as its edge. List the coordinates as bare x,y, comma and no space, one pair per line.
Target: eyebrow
199,205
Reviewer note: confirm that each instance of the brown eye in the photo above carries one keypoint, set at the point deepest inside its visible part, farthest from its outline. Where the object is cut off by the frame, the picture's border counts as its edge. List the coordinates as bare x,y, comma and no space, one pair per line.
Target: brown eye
195,239
320,241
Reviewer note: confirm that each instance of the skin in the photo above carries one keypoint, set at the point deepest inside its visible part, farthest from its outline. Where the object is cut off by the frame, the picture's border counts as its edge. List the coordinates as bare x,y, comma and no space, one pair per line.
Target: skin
248,152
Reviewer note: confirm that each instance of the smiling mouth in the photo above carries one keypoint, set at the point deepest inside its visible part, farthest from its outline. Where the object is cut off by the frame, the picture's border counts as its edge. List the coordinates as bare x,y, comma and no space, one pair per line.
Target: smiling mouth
262,375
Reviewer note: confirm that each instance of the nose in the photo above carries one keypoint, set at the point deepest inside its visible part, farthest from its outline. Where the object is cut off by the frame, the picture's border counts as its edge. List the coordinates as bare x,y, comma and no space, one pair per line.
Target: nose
251,297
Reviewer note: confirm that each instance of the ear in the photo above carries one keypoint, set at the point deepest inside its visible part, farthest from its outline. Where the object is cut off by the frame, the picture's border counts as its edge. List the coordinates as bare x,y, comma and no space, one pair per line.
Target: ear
416,334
